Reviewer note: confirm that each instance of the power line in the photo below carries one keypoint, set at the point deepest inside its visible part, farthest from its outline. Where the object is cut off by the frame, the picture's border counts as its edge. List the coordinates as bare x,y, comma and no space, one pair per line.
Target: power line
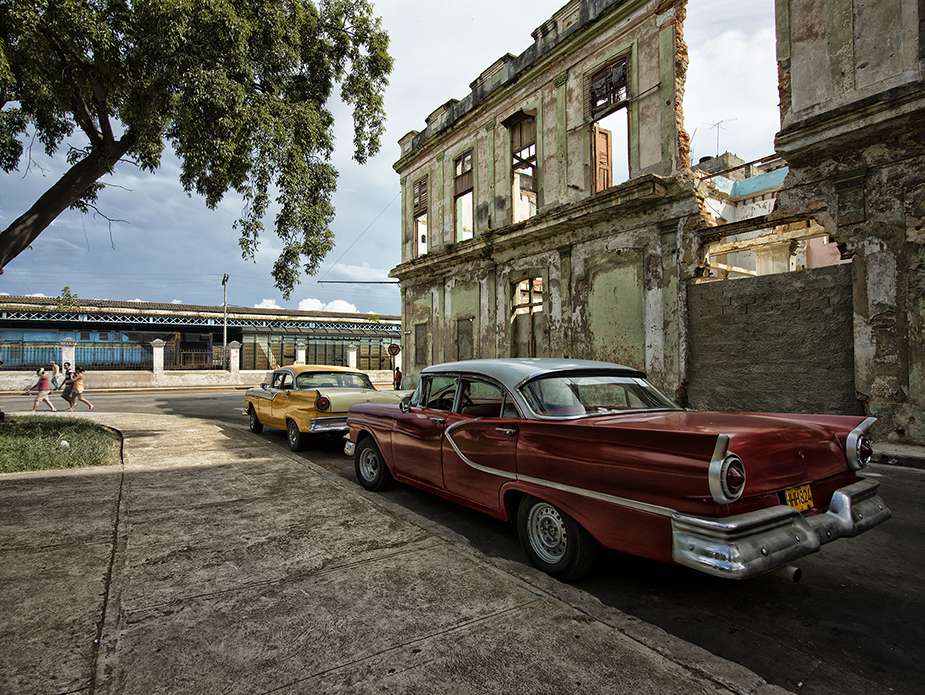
359,237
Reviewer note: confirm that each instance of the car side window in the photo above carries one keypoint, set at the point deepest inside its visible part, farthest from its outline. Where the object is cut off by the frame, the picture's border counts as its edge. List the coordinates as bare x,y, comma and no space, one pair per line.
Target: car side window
439,392
286,381
481,399
277,382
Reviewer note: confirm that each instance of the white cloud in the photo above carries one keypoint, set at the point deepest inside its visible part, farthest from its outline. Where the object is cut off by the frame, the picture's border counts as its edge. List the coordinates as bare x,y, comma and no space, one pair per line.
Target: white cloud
341,306
311,305
267,304
338,305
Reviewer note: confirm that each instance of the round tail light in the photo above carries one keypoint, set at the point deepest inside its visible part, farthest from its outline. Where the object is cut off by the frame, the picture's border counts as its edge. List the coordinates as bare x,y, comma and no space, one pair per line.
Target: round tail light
733,477
726,474
322,403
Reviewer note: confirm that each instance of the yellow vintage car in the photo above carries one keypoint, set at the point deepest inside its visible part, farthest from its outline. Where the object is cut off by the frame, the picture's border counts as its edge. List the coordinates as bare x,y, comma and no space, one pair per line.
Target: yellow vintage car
308,399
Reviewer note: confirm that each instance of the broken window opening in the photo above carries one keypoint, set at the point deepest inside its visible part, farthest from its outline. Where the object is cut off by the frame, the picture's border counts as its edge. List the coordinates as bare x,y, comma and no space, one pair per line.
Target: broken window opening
608,95
419,216
463,185
421,346
527,316
523,167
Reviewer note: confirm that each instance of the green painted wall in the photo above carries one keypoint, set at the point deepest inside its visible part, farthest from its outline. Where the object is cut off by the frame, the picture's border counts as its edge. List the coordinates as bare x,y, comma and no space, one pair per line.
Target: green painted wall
615,314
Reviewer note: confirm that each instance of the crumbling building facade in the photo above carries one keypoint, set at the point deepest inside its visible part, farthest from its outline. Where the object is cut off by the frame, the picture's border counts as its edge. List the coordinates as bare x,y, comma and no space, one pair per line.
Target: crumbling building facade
542,213
554,212
853,134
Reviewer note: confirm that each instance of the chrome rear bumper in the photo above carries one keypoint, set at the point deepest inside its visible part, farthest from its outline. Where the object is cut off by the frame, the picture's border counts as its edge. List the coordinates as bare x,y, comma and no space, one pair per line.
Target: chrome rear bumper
328,424
748,544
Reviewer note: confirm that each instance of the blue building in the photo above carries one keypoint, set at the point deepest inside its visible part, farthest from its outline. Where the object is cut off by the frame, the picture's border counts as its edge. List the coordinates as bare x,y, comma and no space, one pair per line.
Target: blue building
118,335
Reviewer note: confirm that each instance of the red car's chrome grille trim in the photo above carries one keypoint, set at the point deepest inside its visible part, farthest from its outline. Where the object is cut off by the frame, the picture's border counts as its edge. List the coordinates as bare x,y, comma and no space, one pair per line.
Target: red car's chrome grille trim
584,492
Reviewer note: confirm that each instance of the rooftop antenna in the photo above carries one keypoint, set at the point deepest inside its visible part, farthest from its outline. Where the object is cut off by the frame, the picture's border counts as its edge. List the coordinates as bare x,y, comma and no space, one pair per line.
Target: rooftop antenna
719,126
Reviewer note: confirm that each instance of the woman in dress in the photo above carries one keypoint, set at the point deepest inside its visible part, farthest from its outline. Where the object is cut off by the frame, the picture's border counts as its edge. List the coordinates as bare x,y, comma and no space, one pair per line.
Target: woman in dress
77,386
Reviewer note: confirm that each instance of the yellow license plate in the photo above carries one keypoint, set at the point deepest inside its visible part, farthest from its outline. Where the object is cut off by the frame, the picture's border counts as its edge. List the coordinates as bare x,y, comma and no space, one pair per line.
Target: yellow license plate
800,498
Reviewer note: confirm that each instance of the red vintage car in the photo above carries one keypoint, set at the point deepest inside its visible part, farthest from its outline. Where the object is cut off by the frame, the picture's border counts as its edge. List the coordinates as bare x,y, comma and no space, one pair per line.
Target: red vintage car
584,453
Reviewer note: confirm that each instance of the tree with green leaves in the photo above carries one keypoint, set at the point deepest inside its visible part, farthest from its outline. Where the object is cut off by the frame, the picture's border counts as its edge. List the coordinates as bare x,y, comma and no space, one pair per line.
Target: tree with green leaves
239,88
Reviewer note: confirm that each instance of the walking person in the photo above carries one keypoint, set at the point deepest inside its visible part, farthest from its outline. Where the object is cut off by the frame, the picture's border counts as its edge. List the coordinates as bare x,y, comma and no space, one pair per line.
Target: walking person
68,383
43,385
55,377
397,378
77,385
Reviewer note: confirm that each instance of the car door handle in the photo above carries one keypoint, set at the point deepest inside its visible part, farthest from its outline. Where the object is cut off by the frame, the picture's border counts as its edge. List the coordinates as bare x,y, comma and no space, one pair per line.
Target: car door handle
438,420
509,431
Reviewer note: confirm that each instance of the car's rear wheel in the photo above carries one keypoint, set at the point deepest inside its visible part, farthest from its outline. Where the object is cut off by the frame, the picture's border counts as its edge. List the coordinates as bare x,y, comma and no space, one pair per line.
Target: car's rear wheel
370,467
297,439
554,542
256,425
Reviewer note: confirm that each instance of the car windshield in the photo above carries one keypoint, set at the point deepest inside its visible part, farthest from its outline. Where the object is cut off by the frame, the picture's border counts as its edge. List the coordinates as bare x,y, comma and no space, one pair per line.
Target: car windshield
575,395
317,380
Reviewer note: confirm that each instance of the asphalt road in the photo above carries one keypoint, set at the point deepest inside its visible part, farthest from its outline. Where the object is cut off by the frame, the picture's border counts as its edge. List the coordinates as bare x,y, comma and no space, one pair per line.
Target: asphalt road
854,624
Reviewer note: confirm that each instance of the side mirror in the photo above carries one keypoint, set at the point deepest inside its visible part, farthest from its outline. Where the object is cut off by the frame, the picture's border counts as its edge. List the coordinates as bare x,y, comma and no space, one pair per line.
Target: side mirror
405,404
264,386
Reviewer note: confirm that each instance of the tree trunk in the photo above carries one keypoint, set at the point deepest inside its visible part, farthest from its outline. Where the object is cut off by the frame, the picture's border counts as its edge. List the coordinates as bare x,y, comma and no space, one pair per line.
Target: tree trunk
69,188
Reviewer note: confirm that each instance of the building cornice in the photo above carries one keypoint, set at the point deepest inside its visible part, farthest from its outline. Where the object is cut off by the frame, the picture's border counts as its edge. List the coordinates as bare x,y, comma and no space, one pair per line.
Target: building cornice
861,121
650,191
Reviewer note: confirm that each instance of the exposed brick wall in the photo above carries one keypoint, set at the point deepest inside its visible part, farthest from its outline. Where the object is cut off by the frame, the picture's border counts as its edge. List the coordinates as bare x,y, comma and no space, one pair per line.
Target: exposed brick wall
776,343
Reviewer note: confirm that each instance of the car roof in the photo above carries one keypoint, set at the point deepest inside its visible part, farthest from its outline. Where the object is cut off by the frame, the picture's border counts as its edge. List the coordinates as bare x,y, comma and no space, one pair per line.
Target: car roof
514,371
299,368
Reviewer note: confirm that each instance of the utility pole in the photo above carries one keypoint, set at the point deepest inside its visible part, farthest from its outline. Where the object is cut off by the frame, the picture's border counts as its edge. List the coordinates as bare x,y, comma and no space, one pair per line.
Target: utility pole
225,322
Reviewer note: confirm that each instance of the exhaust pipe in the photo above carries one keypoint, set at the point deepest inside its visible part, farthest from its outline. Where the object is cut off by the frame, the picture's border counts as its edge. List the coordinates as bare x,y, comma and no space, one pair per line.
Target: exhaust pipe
789,572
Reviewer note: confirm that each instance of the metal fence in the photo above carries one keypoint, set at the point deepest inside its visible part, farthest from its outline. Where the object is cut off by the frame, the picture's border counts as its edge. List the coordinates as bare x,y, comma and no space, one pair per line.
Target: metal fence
199,358
374,358
22,355
19,355
119,356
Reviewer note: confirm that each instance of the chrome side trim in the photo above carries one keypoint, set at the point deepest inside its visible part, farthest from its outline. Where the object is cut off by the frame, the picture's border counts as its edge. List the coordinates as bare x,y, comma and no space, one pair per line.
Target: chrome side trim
603,497
469,462
583,492
851,445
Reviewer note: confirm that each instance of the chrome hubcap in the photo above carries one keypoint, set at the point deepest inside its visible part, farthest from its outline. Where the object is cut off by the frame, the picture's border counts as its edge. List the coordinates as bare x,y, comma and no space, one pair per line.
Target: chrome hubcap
548,536
369,464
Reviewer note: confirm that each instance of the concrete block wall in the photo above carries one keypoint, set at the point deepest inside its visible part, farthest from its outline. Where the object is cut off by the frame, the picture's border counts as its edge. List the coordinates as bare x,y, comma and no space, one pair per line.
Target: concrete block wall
775,343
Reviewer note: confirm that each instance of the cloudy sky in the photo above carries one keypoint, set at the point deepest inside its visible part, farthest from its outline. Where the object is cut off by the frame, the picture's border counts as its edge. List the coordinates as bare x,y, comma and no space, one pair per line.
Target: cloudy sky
164,246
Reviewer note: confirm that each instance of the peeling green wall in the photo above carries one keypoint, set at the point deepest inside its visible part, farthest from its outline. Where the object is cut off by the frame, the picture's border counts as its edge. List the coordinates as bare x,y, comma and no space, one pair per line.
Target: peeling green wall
615,325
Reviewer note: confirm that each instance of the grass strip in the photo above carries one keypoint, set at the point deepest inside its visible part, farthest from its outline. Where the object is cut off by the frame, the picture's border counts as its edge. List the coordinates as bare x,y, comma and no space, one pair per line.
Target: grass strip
48,442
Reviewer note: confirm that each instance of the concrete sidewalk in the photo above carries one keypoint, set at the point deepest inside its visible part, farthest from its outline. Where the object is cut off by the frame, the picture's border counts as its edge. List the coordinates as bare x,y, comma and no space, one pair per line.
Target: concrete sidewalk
212,562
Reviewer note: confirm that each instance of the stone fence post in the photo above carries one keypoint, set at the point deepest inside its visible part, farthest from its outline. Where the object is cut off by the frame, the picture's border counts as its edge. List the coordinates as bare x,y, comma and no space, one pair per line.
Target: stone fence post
300,349
158,346
234,357
69,352
352,356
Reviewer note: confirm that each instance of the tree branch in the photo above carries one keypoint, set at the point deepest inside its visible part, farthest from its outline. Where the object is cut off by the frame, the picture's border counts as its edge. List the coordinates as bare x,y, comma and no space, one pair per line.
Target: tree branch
69,189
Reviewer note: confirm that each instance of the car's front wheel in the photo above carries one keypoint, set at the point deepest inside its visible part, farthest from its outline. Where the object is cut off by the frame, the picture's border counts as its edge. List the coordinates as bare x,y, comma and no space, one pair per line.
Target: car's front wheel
256,425
370,467
554,541
297,438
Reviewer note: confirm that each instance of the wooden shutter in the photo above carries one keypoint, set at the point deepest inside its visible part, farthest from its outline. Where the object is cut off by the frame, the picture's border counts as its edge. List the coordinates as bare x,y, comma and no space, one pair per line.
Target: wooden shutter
602,156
